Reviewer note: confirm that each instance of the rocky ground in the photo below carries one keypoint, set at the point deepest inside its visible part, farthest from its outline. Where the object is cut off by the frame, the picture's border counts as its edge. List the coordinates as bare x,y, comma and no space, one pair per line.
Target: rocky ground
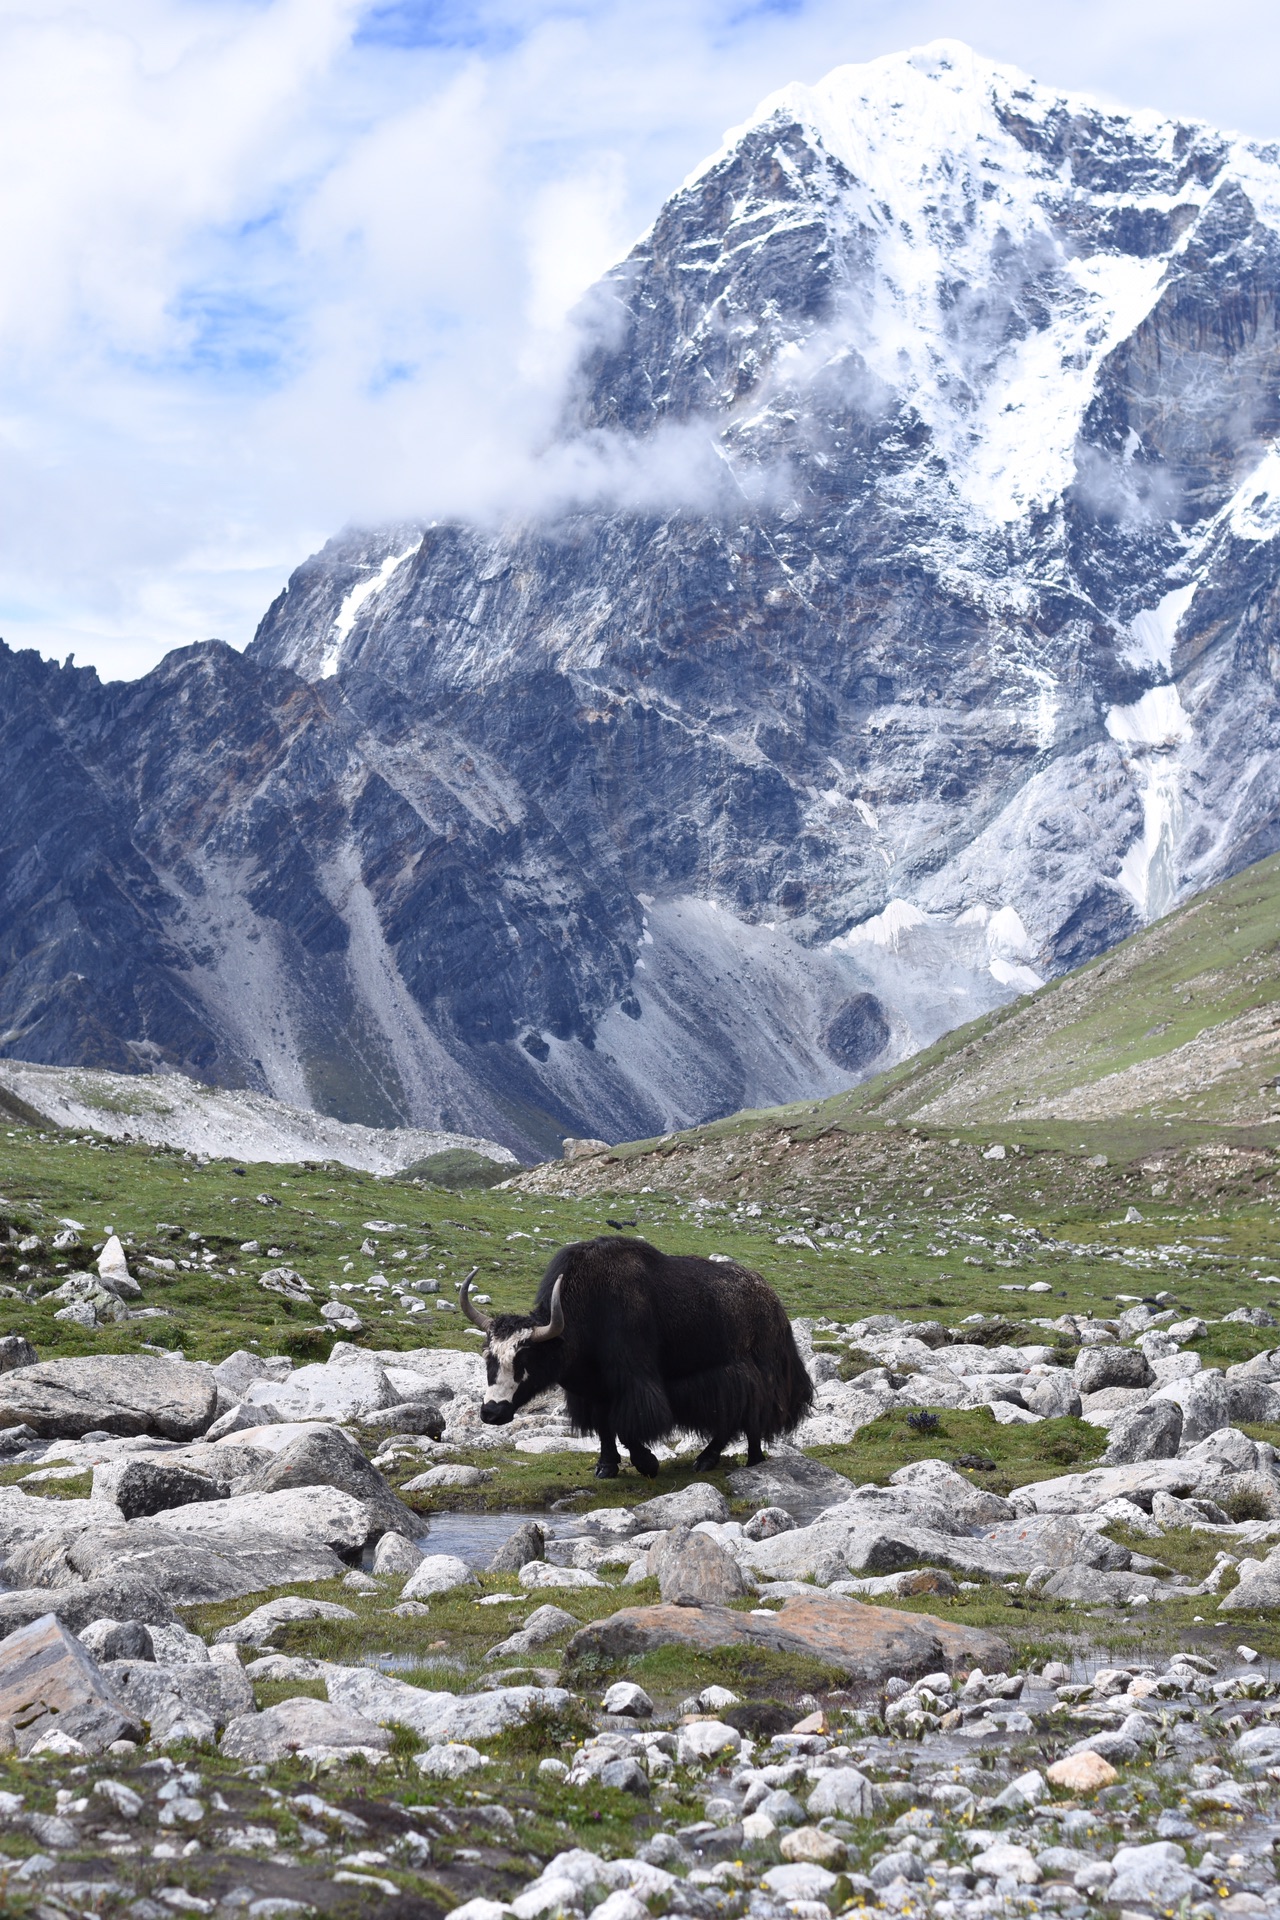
285,1628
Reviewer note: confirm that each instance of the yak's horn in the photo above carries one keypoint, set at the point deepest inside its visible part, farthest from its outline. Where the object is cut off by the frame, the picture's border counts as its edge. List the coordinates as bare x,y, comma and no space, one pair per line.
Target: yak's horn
555,1326
473,1314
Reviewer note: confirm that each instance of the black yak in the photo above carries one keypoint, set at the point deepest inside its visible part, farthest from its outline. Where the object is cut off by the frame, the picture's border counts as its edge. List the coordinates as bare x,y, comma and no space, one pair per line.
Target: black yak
644,1343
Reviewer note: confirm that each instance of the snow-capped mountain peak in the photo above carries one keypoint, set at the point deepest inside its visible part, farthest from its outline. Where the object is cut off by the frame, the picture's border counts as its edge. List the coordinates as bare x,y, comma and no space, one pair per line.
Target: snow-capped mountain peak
933,650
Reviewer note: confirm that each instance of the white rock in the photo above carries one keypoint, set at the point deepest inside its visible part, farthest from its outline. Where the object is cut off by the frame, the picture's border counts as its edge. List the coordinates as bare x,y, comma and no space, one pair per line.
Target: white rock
625,1697
799,1881
258,1629
396,1553
547,1896
341,1392
538,1574
704,1740
1004,1860
450,1761
437,1573
621,1905
437,1717
307,1516
843,1791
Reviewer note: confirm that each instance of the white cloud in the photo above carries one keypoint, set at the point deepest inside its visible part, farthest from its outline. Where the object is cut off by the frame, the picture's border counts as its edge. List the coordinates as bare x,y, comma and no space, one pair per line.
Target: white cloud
271,265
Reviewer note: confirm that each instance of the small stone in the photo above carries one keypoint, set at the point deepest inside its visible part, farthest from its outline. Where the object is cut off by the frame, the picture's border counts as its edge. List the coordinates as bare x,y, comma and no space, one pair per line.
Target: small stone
768,1523
704,1740
842,1791
685,1508
527,1543
1026,1791
450,1761
625,1697
626,1775
812,1845
799,1880
1082,1773
1006,1861
396,1553
437,1573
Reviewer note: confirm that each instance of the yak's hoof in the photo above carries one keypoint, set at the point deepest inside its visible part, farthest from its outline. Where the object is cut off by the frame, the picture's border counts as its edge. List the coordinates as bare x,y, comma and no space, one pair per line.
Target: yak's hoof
754,1456
644,1462
607,1469
709,1457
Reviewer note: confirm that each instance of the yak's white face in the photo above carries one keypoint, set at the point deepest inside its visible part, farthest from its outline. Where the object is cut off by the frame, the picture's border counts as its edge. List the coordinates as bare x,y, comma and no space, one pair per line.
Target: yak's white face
501,1359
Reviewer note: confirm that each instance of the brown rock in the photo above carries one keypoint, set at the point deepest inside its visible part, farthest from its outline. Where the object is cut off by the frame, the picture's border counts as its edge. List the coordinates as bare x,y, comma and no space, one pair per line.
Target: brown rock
692,1570
812,1723
48,1679
868,1643
1081,1773
928,1580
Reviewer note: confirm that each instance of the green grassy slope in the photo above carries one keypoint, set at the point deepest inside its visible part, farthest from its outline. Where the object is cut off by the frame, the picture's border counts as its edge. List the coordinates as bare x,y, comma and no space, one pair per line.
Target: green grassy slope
1180,1023
1176,1029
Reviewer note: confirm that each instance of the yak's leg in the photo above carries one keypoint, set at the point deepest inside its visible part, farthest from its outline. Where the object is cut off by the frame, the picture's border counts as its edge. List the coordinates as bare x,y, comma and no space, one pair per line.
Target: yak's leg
710,1455
641,1459
608,1465
755,1452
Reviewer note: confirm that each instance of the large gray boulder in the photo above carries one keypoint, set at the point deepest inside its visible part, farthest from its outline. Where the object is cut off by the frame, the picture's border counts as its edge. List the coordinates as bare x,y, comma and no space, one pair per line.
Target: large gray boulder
112,1598
312,1729
1099,1367
1252,1399
1258,1586
412,1416
693,1570
1263,1366
324,1457
936,1492
1082,1492
122,1393
1155,1875
143,1487
1053,1395
1057,1541
438,1717
261,1627
353,1387
1203,1399
1150,1432
48,1679
183,1568
698,1501
149,1691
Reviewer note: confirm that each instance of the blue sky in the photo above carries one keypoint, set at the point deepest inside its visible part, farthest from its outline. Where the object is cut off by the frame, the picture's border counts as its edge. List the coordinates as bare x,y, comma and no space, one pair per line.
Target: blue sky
272,266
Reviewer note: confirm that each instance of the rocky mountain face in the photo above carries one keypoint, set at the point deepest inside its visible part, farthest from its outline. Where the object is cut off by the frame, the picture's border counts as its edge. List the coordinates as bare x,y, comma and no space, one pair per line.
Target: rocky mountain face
918,643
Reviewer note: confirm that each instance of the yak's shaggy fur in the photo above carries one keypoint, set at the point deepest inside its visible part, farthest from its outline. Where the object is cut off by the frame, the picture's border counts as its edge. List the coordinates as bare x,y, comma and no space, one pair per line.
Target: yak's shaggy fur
652,1343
